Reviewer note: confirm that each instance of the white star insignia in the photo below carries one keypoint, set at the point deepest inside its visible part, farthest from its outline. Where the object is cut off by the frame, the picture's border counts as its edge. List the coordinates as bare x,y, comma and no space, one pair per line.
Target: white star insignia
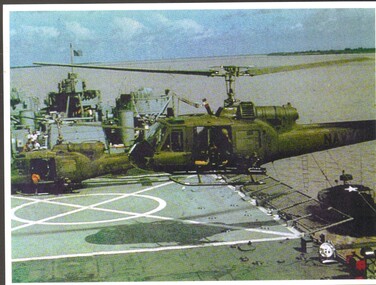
351,189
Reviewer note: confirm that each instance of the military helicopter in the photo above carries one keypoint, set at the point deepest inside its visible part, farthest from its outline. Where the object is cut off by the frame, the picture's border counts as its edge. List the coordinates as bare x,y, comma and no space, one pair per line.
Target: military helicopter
64,167
238,138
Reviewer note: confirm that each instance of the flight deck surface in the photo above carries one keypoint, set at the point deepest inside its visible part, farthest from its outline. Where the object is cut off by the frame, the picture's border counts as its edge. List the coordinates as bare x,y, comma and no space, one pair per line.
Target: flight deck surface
161,231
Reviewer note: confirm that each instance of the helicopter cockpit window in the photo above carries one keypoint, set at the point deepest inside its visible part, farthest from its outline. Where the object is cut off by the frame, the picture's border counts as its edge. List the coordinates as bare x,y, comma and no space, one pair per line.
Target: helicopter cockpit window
155,134
174,141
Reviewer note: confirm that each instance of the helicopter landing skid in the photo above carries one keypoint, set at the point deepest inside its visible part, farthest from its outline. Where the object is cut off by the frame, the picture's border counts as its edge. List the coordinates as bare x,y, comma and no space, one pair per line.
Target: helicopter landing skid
238,178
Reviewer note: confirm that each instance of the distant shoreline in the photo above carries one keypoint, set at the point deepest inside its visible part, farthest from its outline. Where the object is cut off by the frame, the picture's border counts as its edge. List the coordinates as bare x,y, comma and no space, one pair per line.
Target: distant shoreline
294,53
321,52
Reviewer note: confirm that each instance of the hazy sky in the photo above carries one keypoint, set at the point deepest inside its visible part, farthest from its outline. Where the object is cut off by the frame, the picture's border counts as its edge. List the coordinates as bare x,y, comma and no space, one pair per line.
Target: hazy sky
108,36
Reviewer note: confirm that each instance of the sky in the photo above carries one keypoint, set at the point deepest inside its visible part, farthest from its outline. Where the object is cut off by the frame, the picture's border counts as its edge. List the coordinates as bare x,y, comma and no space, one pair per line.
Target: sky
129,35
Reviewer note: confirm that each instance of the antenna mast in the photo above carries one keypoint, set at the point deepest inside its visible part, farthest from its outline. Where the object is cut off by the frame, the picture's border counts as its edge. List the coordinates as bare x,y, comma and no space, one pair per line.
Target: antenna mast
71,55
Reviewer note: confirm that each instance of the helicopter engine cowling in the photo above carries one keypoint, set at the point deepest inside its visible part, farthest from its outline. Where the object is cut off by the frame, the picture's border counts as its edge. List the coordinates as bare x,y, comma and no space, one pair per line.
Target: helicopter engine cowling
281,117
284,113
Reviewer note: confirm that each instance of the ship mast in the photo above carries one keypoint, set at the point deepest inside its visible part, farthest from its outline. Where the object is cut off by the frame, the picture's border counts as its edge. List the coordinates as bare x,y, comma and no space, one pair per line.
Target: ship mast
71,55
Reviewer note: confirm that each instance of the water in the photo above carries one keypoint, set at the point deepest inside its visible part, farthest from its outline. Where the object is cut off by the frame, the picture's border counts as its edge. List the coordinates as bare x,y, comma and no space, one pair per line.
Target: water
335,93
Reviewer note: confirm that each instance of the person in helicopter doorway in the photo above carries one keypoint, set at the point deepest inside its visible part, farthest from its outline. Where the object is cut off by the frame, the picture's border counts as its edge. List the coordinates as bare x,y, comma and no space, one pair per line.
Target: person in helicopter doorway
213,154
225,148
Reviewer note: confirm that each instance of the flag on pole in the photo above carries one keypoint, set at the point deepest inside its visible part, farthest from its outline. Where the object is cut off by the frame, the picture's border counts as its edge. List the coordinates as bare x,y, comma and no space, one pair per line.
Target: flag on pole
77,52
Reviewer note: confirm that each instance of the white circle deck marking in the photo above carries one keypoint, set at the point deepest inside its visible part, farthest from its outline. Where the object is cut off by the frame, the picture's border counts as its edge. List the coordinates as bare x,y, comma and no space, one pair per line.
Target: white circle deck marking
119,196
82,208
131,215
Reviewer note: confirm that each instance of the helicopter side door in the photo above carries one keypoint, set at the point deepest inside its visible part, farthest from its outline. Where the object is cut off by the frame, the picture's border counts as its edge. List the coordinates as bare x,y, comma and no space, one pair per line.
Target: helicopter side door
174,152
213,145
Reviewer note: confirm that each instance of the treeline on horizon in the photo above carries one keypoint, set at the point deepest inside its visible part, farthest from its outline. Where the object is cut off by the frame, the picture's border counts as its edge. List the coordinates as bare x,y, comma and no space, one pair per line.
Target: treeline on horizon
332,51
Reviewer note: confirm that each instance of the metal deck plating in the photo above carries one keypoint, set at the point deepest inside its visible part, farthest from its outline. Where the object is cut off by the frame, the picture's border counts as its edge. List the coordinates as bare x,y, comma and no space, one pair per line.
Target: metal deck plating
114,233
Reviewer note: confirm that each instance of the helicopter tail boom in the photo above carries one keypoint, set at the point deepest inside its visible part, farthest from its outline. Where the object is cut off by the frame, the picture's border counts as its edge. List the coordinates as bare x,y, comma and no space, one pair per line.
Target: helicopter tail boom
308,138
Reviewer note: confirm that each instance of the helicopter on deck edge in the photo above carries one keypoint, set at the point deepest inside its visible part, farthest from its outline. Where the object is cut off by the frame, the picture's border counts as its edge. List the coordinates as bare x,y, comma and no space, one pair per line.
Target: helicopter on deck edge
238,138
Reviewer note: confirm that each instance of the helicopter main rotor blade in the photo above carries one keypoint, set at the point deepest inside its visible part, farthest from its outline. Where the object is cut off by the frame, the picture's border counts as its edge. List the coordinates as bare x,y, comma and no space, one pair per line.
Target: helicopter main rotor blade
108,126
184,72
223,71
285,68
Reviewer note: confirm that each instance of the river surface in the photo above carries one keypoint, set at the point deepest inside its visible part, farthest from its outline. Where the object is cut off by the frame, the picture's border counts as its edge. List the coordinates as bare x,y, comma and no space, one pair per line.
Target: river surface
324,94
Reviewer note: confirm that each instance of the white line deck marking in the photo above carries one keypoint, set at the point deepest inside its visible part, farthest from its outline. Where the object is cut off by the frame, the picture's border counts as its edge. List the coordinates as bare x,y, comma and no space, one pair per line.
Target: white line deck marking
162,204
165,248
86,207
133,215
262,209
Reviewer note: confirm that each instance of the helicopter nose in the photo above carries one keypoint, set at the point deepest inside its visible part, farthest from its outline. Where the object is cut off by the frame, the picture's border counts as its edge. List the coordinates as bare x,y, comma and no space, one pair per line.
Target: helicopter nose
141,154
